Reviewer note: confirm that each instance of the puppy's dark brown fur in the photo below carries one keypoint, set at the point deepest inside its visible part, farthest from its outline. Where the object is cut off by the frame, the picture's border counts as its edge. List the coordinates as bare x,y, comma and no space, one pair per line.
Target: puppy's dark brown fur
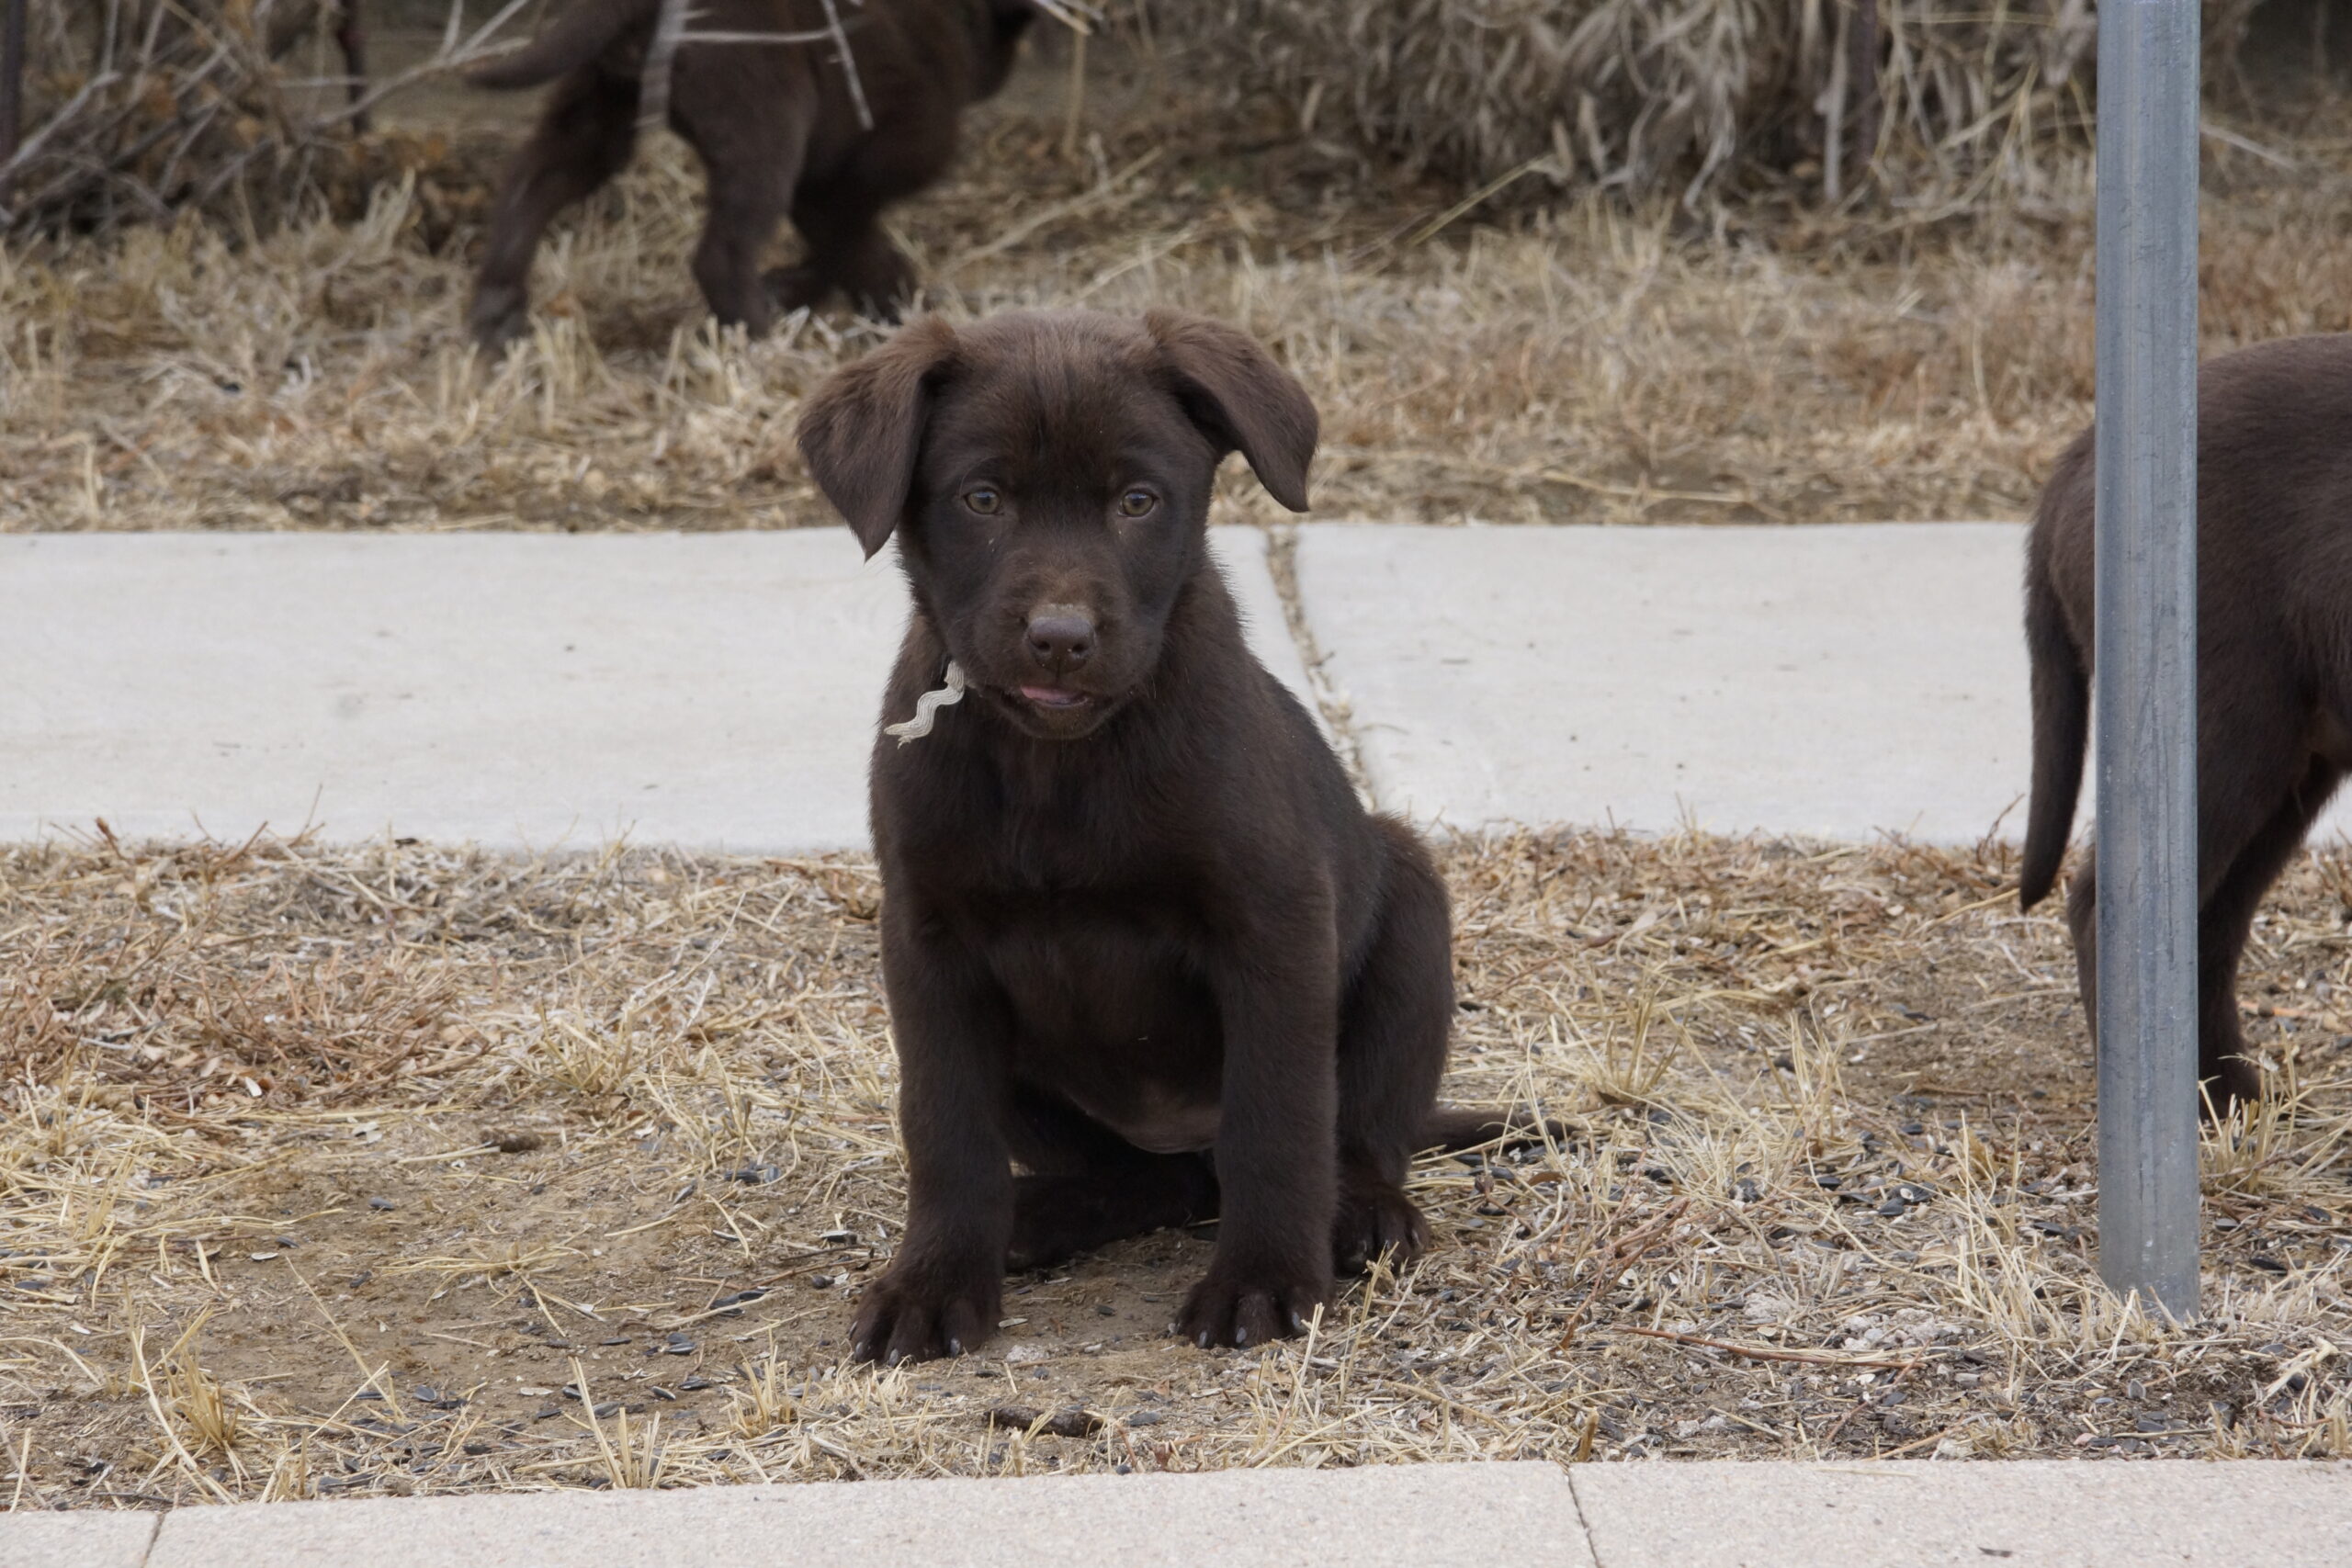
1137,932
778,132
2274,649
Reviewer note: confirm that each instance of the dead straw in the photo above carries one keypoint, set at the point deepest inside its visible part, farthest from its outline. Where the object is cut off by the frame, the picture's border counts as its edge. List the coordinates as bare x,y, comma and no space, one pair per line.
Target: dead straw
1803,1201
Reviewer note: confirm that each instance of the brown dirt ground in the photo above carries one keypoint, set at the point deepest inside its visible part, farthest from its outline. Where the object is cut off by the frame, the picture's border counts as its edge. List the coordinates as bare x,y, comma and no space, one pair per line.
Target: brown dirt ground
1826,1192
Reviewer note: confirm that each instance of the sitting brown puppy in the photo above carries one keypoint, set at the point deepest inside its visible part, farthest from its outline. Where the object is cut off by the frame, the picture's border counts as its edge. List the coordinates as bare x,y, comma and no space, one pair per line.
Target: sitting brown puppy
2274,670
781,128
1137,932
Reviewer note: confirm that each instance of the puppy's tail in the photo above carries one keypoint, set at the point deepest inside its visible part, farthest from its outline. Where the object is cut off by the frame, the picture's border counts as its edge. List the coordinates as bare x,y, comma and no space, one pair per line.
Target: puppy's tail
2062,710
584,30
1451,1127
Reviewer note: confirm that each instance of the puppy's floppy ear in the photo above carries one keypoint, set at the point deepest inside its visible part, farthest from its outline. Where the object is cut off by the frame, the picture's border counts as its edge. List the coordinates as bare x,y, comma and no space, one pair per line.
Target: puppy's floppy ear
861,432
1241,399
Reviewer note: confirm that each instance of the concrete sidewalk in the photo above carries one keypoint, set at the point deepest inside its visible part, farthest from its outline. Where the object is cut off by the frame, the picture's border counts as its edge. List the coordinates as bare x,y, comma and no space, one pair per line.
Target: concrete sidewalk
1831,680
714,691
719,692
1658,1514
1836,681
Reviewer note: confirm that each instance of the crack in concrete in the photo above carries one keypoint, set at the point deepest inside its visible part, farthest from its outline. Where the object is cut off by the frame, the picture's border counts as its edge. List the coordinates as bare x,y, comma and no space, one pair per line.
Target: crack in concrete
1339,715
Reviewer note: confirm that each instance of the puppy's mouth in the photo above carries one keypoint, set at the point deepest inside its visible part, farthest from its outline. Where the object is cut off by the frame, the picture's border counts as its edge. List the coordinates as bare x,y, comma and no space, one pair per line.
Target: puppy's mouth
1055,699
1050,710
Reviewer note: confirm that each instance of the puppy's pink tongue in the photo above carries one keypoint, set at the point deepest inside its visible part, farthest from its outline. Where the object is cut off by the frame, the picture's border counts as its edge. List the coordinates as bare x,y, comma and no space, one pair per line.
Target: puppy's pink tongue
1052,696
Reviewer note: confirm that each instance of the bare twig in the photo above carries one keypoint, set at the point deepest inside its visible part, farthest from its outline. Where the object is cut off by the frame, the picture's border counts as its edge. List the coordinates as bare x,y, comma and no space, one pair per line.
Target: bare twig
849,65
1766,1353
661,61
180,104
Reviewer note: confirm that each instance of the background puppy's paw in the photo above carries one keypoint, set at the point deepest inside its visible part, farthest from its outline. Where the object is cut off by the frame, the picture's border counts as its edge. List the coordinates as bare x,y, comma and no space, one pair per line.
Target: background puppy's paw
498,315
796,287
918,1314
1242,1311
1373,1220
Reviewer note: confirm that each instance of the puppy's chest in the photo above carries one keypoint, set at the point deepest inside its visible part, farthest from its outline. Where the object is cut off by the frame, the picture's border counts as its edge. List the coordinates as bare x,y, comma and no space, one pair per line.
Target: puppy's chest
1113,1010
1082,957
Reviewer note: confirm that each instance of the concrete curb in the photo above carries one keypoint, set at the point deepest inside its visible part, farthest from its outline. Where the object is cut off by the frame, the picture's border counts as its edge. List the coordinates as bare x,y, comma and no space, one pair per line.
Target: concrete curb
2018,1514
88,1538
1451,1517
2033,1514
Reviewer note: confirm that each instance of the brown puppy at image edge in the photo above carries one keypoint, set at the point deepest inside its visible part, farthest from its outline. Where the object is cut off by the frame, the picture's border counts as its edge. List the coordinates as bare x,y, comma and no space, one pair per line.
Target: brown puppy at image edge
781,129
2274,652
1138,933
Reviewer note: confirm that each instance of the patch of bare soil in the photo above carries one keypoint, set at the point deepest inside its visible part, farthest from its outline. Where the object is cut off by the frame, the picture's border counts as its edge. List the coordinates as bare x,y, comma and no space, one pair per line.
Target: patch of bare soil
403,1170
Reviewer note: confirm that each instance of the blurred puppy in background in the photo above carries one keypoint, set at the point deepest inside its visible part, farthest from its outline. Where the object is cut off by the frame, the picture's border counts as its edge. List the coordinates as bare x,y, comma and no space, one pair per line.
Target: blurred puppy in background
786,128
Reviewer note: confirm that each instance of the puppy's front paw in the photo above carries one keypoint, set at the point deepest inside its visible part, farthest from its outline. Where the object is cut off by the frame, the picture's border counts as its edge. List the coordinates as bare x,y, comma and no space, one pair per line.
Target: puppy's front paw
1241,1310
1375,1219
917,1313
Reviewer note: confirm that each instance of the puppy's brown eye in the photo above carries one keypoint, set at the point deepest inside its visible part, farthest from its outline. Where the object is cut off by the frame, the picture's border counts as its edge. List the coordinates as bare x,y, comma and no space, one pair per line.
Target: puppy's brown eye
1137,503
984,500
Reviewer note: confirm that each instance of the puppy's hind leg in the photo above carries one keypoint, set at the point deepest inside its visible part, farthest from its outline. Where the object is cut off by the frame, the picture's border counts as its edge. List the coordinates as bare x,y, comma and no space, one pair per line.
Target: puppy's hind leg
1084,1187
1393,1027
584,138
2226,920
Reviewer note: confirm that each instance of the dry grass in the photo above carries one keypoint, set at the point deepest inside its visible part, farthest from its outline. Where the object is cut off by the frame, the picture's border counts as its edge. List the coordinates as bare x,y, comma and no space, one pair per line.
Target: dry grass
1598,362
1826,1192
228,111
1924,108
1945,102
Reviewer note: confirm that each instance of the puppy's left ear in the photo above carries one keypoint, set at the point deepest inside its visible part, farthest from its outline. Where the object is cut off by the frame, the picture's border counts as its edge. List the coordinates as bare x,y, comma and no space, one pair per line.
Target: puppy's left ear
1241,399
862,431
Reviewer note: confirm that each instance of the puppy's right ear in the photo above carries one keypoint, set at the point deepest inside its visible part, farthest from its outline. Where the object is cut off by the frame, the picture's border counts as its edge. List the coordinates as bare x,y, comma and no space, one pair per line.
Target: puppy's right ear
861,432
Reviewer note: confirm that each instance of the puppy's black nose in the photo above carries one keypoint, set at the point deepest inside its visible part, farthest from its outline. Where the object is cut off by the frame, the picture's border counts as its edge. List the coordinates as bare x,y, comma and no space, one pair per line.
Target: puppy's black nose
1060,637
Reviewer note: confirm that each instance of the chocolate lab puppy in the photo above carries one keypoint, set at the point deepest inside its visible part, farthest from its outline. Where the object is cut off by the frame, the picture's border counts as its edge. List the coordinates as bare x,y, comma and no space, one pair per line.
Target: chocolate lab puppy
1138,934
2274,651
781,128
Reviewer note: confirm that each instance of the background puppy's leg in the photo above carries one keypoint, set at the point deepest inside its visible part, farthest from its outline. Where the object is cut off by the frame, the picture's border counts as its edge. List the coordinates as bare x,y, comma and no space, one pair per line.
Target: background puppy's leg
584,138
1392,1053
1085,1186
942,1294
2258,792
753,145
2226,918
2082,920
847,251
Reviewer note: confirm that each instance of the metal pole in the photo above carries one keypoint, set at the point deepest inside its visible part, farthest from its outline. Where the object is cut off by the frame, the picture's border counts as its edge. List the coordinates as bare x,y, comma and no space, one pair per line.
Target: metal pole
2146,653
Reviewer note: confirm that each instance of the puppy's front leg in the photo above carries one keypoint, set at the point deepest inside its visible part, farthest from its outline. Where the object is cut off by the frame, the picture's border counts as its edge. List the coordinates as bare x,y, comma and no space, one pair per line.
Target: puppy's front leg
1277,1154
942,1294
